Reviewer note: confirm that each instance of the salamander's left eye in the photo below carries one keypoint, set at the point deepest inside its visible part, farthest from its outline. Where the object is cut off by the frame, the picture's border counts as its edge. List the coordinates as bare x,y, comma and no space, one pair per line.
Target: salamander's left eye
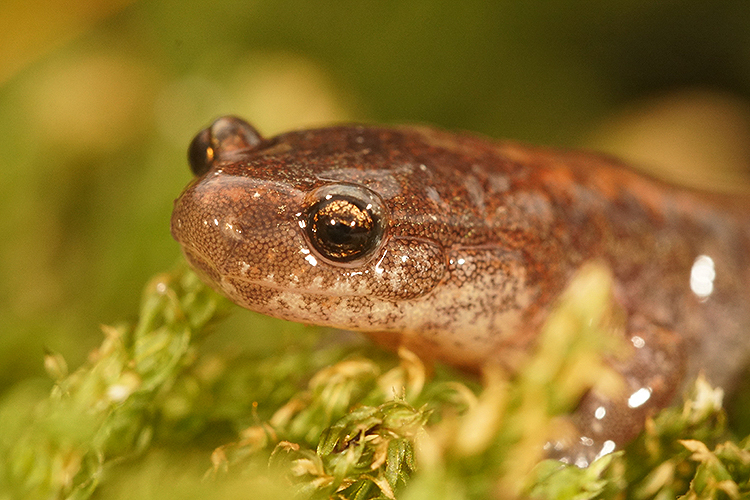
345,223
201,153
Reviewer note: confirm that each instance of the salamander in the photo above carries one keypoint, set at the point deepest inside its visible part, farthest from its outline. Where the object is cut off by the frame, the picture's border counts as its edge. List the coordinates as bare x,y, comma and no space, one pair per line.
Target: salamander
457,247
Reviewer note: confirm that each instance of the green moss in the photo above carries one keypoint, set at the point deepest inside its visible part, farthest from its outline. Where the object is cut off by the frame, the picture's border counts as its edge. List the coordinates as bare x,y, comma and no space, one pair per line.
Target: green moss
153,413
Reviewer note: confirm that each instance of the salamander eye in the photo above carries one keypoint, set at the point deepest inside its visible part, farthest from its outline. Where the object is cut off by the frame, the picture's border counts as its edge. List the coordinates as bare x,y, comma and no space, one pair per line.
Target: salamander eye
201,153
226,134
345,223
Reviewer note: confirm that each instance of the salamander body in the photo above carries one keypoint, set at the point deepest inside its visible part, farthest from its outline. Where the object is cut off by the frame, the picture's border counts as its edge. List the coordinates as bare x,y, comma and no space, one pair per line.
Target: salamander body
457,247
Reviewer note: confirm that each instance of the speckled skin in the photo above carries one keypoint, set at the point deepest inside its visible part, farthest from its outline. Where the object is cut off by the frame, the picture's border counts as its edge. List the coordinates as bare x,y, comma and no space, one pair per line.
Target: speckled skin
481,239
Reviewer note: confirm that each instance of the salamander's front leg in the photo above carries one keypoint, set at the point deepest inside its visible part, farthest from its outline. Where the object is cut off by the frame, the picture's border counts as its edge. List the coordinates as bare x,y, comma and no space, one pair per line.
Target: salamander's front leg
652,375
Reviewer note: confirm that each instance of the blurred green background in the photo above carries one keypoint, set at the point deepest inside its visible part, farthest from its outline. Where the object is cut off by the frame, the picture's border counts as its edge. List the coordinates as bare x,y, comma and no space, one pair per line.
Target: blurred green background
99,100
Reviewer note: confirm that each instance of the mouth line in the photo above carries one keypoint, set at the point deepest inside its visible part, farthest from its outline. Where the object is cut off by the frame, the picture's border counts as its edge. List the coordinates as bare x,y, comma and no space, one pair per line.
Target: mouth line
299,291
268,284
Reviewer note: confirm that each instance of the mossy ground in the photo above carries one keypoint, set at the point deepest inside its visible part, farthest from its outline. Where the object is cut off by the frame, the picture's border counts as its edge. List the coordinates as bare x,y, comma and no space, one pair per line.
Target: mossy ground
152,414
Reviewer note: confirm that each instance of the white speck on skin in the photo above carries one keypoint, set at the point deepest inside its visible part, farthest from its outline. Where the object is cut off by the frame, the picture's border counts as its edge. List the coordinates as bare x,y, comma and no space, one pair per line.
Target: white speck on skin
639,397
607,448
702,276
378,268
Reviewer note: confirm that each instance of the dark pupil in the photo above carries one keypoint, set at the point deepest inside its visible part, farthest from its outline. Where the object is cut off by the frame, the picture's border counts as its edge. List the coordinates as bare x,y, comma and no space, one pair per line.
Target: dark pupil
342,228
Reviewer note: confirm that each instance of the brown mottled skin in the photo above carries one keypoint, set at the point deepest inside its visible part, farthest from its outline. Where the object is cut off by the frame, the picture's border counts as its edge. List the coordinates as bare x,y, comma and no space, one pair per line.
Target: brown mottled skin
480,239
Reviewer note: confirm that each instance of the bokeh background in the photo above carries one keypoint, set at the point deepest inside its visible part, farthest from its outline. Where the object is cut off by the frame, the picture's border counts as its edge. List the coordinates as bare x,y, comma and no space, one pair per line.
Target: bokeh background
99,100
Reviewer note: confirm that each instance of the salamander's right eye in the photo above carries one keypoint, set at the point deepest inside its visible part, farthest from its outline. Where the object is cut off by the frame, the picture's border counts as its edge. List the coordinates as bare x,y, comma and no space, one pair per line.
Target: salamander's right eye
226,134
345,224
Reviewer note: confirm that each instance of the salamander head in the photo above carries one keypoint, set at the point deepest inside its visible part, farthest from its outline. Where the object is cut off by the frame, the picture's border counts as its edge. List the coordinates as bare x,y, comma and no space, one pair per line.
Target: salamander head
308,226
